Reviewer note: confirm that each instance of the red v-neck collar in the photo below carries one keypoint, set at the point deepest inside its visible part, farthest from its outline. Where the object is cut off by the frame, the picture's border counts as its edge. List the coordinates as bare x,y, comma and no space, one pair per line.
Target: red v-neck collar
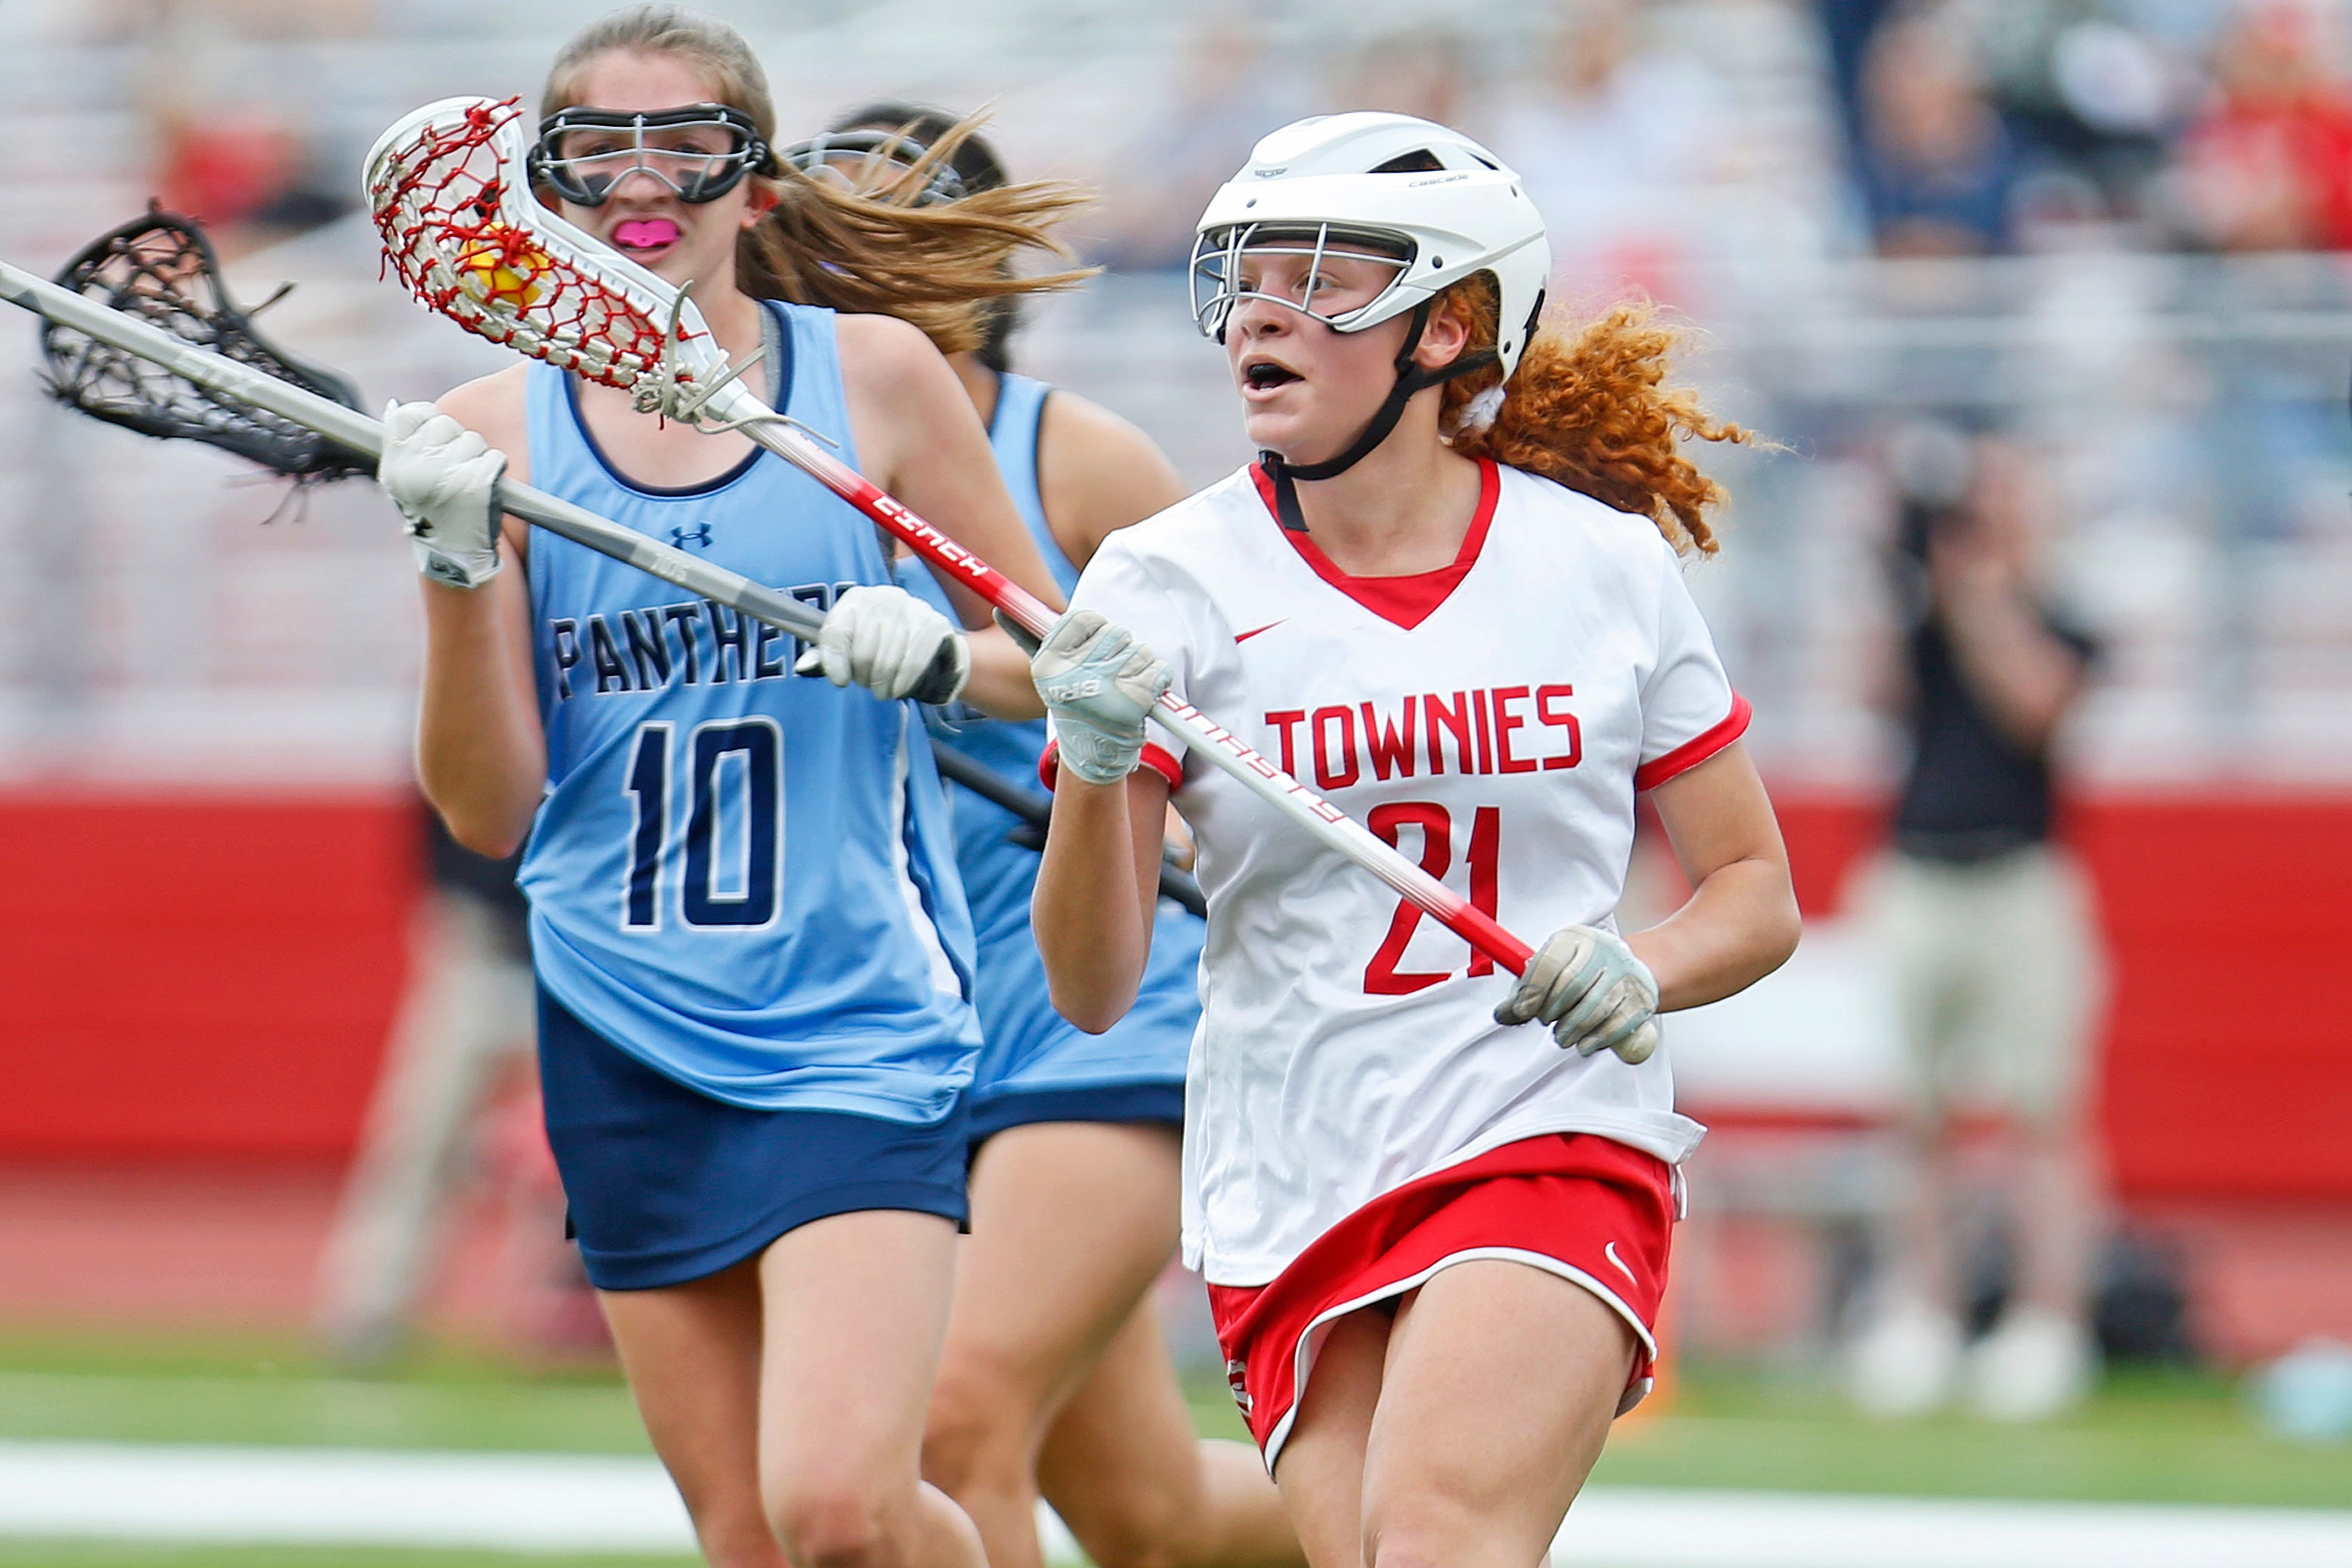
1405,601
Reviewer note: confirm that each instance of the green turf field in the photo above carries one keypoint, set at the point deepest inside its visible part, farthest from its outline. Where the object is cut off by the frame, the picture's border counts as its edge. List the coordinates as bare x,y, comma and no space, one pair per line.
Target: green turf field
2178,1437
2149,1437
225,1390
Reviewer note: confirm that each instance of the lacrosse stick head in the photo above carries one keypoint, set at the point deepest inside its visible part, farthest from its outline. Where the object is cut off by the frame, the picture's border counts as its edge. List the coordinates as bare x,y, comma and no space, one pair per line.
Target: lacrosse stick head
162,269
450,188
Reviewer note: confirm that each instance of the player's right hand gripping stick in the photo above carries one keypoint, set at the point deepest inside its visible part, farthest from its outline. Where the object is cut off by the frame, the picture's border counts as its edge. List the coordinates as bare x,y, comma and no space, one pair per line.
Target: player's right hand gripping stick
1098,682
444,479
1596,995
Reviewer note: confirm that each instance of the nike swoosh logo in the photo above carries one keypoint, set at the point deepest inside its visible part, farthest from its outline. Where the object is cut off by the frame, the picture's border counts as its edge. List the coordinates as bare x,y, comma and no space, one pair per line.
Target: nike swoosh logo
1609,1252
1245,636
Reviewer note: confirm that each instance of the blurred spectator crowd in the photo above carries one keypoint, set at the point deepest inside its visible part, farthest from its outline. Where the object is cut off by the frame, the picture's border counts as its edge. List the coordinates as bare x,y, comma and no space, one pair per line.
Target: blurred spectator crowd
1953,126
1654,133
1979,127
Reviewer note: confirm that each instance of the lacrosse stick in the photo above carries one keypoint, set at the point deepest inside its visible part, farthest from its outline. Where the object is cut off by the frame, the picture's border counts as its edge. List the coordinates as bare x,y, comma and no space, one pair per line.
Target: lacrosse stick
1036,813
161,269
461,229
146,300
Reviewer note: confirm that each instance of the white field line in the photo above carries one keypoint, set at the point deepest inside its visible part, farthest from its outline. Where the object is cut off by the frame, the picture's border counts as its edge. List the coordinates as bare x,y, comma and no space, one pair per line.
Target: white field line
581,1504
364,1497
1648,1527
371,1497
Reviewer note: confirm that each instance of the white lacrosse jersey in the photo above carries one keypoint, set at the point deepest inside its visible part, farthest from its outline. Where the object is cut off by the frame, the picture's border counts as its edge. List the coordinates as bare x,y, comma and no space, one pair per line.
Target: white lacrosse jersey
1494,720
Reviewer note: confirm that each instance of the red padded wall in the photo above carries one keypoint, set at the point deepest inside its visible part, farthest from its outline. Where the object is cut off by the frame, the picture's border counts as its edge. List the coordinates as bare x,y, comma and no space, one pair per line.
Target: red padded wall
193,976
187,974
2228,1060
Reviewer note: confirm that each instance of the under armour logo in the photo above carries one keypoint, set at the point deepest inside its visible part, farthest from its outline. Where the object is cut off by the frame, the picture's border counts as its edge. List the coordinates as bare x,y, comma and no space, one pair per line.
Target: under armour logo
682,537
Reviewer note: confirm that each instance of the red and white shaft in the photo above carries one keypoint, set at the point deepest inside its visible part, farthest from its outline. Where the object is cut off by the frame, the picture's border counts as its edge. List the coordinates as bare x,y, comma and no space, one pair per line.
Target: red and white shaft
1200,734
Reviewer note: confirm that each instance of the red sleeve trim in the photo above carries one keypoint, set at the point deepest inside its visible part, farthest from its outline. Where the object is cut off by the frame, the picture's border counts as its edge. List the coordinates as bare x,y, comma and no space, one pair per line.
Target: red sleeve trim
1158,758
1692,752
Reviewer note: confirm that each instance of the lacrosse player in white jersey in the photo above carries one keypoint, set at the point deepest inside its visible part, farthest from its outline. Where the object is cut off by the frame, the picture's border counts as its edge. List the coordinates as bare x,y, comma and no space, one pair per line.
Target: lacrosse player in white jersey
1056,1377
1449,596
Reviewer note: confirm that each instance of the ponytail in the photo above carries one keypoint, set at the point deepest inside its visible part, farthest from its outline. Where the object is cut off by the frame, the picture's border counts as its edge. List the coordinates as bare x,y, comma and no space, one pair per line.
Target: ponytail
947,268
1593,412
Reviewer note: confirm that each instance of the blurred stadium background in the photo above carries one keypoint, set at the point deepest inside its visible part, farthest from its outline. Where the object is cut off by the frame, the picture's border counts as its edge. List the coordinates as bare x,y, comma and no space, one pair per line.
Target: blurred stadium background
2138,260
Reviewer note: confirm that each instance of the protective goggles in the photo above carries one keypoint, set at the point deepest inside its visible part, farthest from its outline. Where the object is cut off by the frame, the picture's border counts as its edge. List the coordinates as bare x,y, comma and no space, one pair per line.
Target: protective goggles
699,153
870,161
1287,264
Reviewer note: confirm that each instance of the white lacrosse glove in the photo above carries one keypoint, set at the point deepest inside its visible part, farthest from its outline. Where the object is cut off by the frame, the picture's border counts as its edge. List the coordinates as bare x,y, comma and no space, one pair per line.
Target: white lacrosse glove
890,642
1098,682
1596,995
444,479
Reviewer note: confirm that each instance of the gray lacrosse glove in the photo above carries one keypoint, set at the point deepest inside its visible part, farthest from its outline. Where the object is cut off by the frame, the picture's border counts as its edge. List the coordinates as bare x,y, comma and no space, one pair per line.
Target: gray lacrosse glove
888,641
444,479
1098,682
1596,995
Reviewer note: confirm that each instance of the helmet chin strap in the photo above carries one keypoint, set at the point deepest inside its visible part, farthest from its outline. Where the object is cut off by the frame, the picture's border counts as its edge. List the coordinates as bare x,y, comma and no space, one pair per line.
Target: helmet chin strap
1411,378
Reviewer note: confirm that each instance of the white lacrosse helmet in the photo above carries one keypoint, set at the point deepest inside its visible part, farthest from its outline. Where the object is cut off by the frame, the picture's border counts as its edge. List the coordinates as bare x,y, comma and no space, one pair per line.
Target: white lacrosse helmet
1441,203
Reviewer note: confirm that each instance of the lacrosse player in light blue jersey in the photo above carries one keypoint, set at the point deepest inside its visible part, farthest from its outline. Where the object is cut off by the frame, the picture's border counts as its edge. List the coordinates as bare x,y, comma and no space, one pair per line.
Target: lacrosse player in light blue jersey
754,958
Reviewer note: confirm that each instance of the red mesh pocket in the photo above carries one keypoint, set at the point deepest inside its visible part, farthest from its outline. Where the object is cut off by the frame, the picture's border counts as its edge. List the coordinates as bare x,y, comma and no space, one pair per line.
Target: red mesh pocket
462,230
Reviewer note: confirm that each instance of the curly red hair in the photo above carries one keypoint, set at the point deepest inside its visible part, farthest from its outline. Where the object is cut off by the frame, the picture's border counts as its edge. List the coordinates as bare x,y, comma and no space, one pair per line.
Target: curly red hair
1593,412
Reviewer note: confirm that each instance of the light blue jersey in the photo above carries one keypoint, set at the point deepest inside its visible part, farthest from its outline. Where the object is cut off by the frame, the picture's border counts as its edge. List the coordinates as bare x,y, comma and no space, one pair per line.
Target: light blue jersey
742,877
1027,1045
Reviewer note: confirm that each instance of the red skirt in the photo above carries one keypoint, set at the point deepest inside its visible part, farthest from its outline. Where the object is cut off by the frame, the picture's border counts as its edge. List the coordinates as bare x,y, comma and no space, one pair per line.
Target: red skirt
1595,1212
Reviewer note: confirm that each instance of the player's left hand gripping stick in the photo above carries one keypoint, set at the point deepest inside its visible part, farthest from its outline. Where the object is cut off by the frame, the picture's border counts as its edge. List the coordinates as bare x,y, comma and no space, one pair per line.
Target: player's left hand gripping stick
893,644
1593,992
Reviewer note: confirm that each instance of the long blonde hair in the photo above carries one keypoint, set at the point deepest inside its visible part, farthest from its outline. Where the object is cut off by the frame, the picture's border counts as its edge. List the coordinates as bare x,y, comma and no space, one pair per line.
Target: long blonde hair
822,244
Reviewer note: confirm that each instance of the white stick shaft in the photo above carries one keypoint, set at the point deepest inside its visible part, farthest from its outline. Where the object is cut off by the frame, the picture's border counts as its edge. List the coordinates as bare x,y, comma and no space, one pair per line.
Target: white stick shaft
349,428
1204,737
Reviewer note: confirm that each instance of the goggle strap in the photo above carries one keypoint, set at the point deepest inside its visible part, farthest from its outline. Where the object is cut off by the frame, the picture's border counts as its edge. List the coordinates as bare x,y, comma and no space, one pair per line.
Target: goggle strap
941,184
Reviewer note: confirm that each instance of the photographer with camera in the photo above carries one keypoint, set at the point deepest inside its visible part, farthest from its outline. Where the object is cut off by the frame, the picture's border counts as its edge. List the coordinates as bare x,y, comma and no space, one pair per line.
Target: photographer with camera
1988,930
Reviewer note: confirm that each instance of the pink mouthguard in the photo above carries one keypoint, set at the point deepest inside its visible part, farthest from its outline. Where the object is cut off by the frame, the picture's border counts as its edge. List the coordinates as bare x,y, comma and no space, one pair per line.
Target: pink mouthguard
644,233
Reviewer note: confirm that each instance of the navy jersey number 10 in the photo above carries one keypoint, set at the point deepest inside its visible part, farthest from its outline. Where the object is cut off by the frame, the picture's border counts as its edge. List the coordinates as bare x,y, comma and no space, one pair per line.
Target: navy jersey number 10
732,869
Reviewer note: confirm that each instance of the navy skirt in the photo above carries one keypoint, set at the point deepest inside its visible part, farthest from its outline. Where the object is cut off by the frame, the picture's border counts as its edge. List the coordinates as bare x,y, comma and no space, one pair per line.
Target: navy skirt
667,1185
1021,1107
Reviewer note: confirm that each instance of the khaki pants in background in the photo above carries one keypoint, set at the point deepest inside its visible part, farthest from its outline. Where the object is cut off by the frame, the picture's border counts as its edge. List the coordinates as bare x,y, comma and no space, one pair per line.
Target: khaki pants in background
2000,975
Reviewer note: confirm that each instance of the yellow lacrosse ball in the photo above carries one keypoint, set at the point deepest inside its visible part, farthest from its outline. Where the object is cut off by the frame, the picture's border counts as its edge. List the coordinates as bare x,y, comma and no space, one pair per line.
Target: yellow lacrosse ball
500,270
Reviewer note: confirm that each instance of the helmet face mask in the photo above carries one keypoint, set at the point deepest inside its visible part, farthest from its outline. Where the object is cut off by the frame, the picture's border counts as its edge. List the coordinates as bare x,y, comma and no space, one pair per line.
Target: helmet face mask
1294,265
1439,202
699,153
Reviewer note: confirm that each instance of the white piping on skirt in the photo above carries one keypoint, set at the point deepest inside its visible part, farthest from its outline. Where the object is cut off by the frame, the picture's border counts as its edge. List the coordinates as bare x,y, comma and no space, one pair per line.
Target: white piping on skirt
1309,1343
